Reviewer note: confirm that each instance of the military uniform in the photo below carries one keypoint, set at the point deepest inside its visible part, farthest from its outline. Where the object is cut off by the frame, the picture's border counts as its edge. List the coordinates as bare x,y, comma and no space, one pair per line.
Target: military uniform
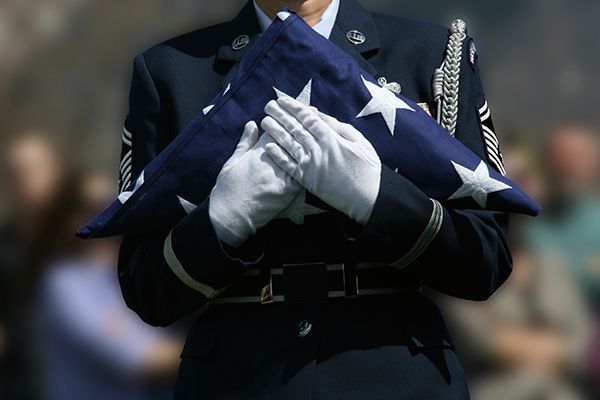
349,327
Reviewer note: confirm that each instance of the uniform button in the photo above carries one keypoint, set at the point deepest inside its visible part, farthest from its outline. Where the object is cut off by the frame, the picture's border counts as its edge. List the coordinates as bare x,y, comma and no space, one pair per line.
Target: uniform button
304,328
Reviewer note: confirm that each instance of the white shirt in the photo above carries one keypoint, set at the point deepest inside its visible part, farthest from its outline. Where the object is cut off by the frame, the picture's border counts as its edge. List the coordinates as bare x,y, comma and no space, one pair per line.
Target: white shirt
323,27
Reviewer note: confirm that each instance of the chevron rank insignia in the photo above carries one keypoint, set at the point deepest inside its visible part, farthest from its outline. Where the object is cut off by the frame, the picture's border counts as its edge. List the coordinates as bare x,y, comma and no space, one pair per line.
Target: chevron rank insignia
490,140
126,160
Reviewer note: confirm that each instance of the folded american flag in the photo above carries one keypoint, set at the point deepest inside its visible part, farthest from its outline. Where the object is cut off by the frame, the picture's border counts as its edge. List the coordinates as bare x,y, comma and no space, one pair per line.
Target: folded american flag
291,59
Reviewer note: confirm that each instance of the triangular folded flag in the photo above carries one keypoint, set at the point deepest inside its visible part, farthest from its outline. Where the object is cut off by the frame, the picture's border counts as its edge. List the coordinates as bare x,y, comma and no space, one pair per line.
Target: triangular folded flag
290,58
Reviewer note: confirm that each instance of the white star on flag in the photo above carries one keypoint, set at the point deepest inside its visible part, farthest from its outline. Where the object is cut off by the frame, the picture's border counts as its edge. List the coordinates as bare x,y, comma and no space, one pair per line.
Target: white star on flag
298,209
303,97
187,206
124,196
477,184
207,109
383,102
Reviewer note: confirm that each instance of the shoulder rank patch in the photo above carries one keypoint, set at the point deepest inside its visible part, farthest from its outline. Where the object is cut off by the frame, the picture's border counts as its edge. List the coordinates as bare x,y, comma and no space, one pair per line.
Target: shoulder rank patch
490,140
473,57
126,159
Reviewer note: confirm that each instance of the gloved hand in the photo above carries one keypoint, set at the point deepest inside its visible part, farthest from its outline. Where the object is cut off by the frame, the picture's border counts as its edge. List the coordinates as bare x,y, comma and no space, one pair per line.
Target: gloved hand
250,190
332,160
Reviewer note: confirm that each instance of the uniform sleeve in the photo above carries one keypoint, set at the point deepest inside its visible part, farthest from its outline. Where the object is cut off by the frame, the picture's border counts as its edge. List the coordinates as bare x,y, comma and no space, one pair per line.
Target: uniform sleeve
169,274
463,253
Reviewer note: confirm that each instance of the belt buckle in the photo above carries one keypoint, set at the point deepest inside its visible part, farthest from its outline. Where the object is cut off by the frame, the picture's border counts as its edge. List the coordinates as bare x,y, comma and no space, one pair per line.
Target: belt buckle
301,283
305,283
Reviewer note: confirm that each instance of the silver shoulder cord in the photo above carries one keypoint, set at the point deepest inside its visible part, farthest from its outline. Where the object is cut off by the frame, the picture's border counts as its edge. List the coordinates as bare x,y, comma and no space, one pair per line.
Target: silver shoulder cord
445,94
446,79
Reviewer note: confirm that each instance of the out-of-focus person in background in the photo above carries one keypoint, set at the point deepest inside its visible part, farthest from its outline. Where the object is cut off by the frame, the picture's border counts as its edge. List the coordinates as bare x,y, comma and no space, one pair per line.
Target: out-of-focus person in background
570,227
36,185
531,339
569,230
73,323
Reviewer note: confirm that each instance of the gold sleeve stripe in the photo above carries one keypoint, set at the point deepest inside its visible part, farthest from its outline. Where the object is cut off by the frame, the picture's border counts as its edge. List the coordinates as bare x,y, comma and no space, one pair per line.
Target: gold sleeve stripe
181,273
430,232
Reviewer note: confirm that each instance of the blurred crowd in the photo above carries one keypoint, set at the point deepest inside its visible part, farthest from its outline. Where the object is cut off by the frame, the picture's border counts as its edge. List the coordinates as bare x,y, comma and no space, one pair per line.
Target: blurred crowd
538,336
65,332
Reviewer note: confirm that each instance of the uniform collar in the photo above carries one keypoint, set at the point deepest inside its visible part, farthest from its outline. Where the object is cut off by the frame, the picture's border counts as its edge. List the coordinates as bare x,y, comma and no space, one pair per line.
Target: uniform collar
351,16
323,27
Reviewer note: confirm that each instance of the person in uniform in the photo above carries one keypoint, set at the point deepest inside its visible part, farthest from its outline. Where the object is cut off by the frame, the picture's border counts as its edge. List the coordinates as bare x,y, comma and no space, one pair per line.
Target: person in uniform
314,310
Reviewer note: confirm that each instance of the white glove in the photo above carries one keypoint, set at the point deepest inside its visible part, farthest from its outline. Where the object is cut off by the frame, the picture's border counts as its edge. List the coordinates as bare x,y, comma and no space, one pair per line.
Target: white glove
330,159
250,190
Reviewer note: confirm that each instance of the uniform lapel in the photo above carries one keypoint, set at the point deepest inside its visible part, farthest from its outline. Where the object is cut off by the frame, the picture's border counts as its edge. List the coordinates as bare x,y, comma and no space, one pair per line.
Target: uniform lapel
353,17
244,24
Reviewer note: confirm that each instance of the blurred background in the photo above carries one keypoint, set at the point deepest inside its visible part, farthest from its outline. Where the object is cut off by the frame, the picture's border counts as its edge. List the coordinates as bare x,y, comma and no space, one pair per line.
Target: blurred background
65,66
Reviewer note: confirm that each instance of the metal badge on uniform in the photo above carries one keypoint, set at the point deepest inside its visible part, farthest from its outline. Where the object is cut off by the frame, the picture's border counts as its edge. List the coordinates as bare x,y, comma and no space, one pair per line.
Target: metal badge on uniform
473,57
393,87
240,42
356,37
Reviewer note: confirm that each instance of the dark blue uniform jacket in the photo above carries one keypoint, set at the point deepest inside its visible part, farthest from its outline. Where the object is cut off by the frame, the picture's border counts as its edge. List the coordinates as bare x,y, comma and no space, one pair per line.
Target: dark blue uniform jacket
362,349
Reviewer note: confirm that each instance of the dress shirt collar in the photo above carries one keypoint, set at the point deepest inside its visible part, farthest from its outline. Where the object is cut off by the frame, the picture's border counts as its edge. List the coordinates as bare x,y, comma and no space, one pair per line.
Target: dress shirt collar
323,27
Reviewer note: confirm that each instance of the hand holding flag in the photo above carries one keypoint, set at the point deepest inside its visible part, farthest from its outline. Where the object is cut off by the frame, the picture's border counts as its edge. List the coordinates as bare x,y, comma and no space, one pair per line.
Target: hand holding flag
250,190
330,159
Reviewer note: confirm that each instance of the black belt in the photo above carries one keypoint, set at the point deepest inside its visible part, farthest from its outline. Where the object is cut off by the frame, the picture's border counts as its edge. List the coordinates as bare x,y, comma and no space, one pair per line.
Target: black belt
316,283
